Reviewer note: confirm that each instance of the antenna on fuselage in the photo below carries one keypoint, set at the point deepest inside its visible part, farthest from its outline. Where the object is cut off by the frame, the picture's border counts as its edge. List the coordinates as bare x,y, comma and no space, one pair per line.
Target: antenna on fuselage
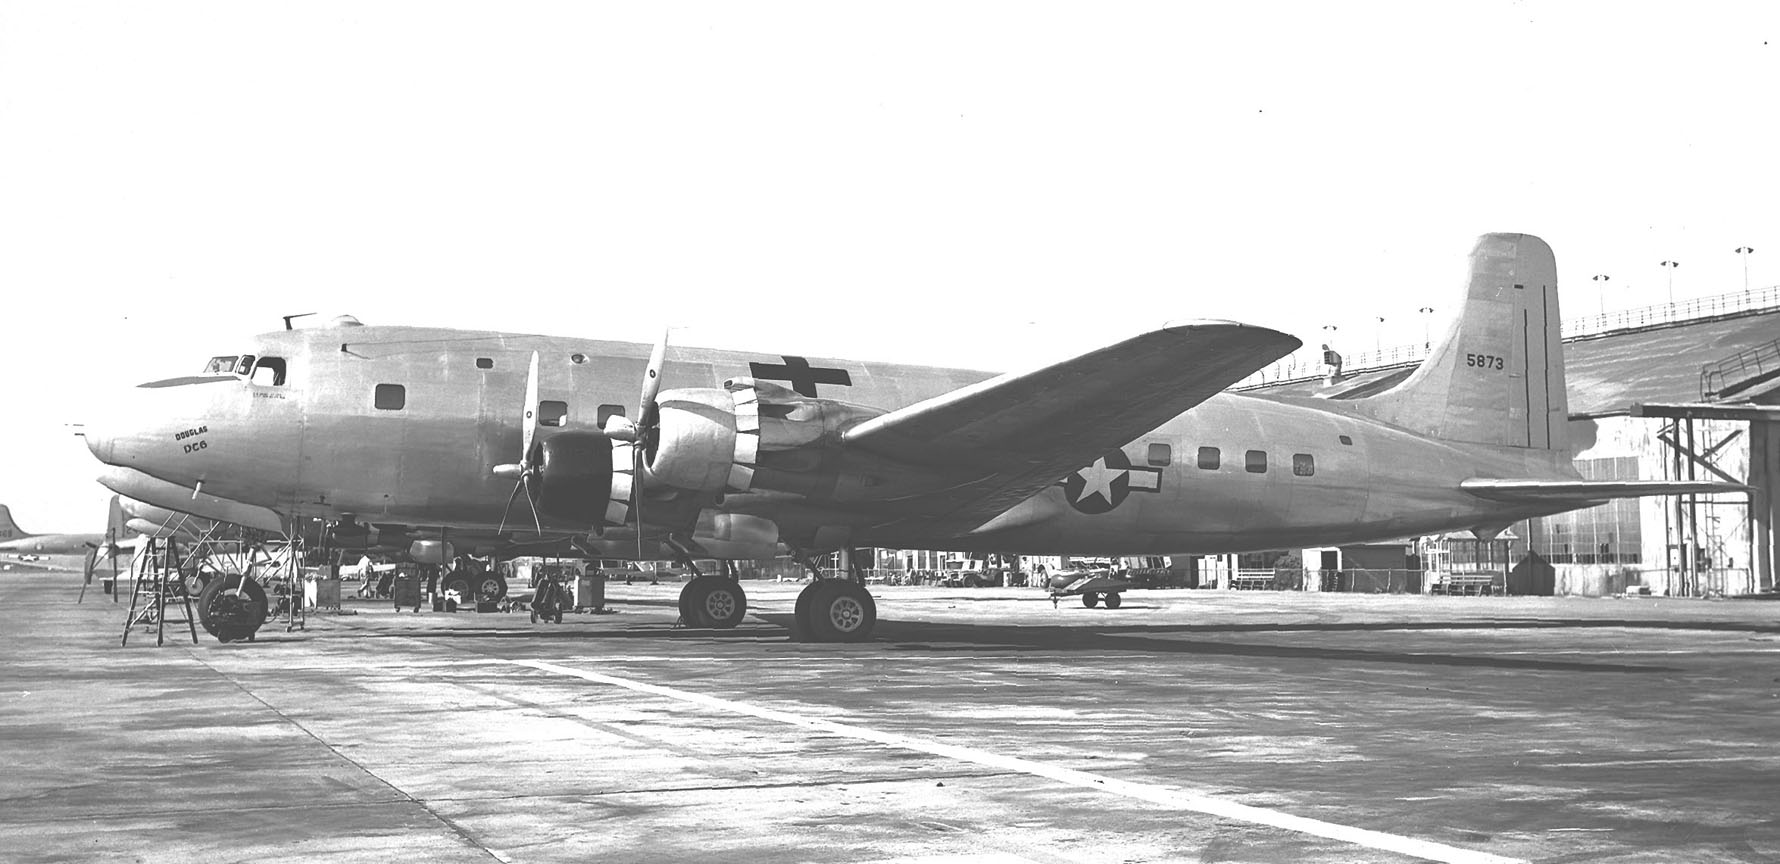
287,319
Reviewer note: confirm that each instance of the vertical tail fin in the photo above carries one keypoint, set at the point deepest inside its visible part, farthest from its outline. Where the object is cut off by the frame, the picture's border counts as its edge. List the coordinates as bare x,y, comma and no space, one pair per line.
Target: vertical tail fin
1497,375
115,531
9,530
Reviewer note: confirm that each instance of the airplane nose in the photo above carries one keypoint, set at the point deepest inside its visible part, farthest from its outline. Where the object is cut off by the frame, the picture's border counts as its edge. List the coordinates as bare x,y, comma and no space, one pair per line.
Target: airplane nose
98,431
122,428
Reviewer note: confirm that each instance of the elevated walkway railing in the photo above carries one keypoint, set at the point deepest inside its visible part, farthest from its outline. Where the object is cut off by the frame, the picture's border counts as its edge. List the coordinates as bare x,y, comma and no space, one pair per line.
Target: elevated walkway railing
1307,363
1741,371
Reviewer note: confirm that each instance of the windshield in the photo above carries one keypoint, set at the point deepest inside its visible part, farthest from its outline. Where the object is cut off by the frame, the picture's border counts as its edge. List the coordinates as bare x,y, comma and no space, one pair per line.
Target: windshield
223,365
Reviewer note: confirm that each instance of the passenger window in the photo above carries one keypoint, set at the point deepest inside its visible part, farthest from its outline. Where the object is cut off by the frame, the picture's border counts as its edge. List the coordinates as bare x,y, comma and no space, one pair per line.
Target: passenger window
607,412
484,362
551,412
1303,465
269,372
1161,455
391,397
245,365
1255,461
1209,458
1346,440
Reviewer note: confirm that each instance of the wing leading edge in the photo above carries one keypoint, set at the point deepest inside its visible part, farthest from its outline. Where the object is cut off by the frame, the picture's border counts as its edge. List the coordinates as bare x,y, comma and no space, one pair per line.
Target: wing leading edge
1009,437
1583,492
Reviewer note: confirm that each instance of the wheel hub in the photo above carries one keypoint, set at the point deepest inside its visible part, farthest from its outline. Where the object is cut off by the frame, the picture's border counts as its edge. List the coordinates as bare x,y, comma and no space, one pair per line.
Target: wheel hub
846,613
720,604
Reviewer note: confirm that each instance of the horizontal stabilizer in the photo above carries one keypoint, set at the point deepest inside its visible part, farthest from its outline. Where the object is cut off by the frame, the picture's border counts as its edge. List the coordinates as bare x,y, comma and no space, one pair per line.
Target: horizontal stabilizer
1591,491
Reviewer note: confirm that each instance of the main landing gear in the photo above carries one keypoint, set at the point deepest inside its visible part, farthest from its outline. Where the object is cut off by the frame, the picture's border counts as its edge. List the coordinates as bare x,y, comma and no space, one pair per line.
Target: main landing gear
834,610
712,600
828,610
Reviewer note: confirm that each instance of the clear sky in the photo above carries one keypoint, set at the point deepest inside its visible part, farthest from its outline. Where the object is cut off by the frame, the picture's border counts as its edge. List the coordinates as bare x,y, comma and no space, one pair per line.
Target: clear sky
953,183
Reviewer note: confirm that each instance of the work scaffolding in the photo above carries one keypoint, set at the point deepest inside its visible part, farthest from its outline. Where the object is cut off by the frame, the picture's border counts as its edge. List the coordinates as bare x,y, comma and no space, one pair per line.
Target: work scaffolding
1689,456
186,558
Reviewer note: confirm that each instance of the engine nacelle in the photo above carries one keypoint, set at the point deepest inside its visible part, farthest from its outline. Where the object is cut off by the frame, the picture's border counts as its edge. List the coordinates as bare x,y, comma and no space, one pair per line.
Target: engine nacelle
696,440
431,551
577,479
722,440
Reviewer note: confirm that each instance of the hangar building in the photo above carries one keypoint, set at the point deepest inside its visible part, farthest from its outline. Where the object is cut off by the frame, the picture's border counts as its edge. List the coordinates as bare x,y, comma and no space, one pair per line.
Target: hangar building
1676,391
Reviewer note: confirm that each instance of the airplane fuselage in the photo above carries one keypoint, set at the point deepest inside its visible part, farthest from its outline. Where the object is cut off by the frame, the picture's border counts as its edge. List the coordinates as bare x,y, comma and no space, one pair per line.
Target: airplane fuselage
405,425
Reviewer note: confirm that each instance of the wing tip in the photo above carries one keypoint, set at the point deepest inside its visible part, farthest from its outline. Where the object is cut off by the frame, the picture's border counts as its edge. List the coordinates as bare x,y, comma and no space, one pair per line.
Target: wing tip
1248,330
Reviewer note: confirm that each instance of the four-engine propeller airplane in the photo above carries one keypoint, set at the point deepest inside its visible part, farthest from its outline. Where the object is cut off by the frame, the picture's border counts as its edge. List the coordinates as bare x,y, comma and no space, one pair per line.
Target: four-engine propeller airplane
1128,449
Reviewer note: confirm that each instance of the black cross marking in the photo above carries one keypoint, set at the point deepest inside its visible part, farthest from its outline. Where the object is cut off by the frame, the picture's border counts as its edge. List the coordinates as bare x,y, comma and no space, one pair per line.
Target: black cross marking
797,371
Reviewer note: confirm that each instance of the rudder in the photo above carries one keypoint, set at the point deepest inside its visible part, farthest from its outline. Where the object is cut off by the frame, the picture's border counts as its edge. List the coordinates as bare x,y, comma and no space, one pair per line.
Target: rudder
9,530
1497,375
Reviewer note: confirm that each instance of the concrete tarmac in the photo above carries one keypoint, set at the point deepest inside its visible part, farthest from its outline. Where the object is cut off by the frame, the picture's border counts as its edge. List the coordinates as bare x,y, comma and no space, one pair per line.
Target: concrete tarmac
979,725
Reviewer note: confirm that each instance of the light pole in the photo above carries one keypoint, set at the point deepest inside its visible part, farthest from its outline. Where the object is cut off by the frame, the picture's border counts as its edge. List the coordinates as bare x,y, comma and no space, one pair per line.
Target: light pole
1744,251
1427,335
1378,337
1601,280
1670,266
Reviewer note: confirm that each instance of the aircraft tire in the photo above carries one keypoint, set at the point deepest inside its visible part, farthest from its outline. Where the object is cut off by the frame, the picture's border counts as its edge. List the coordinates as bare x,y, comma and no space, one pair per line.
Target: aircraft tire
488,588
461,583
713,601
1090,599
840,611
231,617
800,615
689,614
1113,599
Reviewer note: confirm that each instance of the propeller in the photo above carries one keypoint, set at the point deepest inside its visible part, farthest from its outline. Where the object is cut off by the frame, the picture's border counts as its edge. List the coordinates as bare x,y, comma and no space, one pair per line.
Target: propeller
528,459
642,433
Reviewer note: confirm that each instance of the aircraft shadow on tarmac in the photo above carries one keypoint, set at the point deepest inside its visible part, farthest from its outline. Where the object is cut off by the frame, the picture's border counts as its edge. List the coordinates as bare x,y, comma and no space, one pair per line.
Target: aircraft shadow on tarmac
920,636
1141,639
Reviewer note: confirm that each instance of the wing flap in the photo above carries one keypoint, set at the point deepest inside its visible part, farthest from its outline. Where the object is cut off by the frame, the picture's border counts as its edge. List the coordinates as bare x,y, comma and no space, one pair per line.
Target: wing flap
1591,491
1010,436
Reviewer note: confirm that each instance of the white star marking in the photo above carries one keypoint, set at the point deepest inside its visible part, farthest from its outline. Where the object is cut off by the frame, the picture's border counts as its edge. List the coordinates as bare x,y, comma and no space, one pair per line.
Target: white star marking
1099,478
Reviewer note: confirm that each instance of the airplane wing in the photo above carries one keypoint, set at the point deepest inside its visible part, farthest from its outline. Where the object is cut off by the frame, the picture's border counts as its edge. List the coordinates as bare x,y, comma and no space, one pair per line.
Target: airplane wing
1590,491
1009,437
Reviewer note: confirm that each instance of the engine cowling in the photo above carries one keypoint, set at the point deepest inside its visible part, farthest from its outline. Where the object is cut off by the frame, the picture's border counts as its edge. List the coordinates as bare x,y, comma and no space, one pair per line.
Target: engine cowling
749,434
584,477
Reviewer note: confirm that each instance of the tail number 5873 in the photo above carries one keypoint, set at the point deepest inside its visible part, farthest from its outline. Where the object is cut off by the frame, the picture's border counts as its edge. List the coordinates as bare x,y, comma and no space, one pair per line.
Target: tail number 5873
1483,361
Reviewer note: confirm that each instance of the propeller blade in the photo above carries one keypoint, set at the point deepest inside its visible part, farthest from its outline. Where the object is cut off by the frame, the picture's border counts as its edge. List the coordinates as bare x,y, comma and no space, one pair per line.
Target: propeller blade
537,524
504,510
636,493
646,409
529,423
647,415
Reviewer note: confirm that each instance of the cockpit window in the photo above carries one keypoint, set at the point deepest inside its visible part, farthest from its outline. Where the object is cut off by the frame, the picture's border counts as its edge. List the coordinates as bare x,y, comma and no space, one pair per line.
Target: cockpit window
244,365
224,365
269,372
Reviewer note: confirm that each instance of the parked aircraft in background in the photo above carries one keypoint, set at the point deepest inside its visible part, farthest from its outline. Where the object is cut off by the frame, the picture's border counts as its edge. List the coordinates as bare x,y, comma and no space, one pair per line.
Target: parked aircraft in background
1124,450
14,539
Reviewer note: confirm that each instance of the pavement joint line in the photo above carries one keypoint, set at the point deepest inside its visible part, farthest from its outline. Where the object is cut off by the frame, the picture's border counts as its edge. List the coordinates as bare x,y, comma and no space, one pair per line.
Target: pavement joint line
1156,794
450,825
732,787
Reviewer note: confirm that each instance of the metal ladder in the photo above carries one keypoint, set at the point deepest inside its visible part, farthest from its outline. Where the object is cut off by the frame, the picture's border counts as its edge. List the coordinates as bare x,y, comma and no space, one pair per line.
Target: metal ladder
157,582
